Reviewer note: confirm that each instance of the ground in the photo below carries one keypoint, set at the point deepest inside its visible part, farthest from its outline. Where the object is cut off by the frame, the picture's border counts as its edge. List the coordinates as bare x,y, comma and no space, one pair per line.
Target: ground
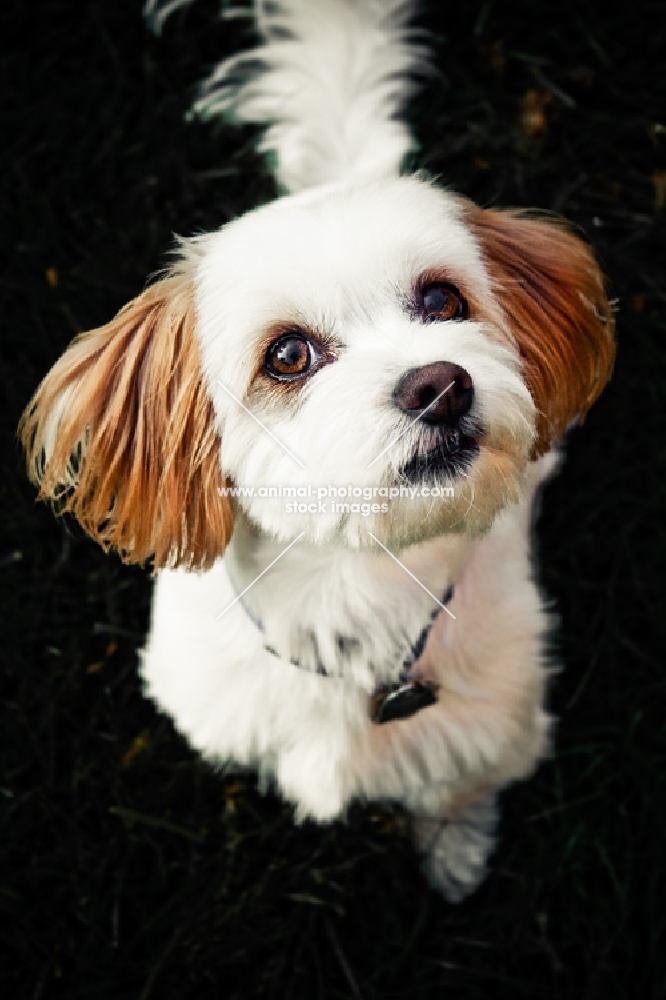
129,868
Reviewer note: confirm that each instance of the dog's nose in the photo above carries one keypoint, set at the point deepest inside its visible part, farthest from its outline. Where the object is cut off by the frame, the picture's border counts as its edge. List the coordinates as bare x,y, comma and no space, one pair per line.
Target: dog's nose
448,387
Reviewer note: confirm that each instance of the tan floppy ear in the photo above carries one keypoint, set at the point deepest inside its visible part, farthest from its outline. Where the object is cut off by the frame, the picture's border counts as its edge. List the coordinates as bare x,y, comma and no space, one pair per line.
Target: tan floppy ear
553,296
121,434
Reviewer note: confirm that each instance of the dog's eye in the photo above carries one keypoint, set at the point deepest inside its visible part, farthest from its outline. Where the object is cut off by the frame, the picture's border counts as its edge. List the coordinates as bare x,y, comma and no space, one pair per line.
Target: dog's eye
441,302
289,357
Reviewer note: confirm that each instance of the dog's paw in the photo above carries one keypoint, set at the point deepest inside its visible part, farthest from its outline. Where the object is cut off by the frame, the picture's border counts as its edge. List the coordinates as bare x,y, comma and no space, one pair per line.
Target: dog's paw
456,851
311,780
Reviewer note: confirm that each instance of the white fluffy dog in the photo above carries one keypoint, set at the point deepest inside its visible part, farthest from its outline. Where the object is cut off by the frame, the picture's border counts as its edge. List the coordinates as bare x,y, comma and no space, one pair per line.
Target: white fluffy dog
247,423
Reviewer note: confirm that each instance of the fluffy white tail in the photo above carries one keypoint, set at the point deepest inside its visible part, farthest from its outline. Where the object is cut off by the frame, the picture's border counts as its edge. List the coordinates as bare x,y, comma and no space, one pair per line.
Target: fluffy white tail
329,79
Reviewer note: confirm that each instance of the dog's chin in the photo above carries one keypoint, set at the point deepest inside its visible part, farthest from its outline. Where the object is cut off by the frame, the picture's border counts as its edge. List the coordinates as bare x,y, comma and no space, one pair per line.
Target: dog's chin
467,487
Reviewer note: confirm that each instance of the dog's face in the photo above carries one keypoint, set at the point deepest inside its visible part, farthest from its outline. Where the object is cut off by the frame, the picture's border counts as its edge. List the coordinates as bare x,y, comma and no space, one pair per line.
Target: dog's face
337,319
386,335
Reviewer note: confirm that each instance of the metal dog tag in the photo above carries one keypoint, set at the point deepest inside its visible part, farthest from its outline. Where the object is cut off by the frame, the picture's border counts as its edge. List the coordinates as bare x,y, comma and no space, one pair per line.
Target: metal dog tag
401,702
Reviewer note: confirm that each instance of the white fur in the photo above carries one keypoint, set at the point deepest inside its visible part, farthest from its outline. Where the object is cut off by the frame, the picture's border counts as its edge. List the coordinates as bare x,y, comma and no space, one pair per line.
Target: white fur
236,701
335,77
341,257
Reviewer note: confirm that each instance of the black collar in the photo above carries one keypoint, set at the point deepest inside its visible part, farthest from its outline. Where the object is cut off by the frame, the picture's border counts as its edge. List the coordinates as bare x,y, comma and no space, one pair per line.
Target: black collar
407,697
390,701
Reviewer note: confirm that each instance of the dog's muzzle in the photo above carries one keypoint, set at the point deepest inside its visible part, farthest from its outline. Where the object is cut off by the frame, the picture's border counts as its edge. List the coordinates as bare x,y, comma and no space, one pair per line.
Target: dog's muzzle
439,395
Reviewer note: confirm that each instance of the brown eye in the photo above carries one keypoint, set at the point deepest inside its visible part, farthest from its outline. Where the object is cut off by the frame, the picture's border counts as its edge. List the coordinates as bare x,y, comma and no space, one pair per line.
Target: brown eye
441,302
289,357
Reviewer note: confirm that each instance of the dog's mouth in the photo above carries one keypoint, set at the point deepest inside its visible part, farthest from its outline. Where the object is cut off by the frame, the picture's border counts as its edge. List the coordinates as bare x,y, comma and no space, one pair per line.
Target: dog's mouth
451,455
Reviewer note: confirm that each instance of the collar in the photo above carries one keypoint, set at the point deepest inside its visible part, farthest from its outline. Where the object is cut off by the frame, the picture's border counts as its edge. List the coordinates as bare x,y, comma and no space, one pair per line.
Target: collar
389,701
407,697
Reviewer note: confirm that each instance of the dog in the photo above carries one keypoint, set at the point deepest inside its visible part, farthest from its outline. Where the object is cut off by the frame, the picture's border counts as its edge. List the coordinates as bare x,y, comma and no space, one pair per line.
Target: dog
324,428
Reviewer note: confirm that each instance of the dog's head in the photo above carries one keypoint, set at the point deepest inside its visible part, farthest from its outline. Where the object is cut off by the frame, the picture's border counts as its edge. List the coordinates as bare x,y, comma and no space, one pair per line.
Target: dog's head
366,338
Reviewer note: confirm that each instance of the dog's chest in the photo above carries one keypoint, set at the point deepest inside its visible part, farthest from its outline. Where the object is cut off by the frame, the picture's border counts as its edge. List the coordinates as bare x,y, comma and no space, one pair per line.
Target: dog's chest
341,614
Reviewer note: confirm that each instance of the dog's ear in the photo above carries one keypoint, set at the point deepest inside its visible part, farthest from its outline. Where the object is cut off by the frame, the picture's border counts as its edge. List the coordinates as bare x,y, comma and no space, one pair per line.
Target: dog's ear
552,294
121,434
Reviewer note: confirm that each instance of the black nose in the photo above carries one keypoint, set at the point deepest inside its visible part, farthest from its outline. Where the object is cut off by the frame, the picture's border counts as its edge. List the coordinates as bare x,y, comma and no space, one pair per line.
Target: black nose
450,385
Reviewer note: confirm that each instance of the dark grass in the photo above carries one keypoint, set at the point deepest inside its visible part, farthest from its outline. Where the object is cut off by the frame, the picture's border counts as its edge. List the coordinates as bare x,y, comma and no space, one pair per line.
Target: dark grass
131,870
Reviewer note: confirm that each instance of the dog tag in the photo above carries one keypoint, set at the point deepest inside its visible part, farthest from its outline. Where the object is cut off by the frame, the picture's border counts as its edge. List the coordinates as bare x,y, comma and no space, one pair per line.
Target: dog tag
401,702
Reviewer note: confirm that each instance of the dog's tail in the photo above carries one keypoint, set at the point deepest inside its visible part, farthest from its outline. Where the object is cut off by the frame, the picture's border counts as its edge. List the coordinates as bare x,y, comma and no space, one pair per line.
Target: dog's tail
329,79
